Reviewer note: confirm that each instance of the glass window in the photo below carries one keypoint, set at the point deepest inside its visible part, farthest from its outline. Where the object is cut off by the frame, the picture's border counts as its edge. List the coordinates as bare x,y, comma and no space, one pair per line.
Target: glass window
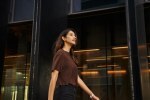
86,5
147,24
103,55
16,75
146,80
21,10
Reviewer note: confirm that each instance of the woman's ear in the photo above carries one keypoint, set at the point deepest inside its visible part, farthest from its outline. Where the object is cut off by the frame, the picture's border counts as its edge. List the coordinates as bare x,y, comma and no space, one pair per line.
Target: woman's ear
63,38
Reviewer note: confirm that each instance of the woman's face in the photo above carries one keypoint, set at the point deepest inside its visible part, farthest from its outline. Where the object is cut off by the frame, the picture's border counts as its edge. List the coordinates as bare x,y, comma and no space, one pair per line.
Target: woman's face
70,38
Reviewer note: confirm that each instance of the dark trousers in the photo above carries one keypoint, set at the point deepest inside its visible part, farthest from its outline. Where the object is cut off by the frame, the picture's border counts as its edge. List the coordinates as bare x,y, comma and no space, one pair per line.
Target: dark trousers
65,92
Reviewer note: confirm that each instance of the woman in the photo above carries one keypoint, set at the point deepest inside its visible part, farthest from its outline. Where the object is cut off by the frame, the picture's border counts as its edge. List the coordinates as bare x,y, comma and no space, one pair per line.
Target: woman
64,76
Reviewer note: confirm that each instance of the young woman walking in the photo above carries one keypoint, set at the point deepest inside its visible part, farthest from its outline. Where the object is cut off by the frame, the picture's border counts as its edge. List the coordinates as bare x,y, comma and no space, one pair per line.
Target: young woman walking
64,76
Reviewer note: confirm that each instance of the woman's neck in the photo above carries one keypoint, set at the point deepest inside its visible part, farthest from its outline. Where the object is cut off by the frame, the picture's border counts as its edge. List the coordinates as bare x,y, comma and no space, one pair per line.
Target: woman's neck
66,48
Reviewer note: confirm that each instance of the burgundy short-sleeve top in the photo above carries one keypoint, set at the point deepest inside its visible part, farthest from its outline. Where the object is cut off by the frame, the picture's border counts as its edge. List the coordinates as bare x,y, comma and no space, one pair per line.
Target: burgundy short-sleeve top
67,68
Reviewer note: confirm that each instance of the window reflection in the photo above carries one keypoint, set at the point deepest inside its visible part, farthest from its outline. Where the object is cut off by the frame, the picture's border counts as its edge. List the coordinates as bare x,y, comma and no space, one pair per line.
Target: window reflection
17,62
87,5
102,72
105,69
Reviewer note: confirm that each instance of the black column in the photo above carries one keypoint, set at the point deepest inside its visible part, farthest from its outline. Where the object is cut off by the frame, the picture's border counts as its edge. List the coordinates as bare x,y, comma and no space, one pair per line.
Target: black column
4,8
50,19
137,49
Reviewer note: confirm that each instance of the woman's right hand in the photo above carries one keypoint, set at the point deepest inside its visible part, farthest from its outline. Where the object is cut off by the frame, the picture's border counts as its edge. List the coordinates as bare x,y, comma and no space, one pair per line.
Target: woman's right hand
95,98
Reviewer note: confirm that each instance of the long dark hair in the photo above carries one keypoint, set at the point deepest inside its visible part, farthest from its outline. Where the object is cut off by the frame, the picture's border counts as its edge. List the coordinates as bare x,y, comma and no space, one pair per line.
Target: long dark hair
60,43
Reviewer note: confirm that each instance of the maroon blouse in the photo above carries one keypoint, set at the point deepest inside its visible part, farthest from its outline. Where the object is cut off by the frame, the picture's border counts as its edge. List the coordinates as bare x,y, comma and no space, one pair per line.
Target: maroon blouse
67,68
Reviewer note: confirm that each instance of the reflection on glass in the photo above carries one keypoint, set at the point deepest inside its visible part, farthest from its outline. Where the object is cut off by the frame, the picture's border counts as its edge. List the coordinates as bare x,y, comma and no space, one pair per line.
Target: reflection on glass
17,62
106,69
104,73
21,10
90,50
87,5
148,57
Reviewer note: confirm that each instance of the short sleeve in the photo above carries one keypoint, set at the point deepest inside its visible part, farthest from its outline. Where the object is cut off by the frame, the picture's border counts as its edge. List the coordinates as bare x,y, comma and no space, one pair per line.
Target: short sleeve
58,61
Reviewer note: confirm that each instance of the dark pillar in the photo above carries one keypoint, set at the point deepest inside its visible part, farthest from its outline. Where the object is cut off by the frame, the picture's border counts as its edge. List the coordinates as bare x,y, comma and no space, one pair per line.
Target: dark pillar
50,19
137,49
4,8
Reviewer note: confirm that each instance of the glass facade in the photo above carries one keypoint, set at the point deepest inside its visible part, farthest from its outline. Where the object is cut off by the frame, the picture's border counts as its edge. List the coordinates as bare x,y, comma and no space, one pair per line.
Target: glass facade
147,24
16,72
103,48
21,10
87,5
103,55
105,60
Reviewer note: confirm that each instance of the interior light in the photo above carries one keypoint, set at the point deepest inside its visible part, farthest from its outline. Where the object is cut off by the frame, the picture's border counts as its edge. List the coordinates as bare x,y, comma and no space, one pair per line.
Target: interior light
108,65
15,56
106,58
123,47
116,72
18,73
8,65
90,73
90,50
28,64
94,59
116,56
125,57
109,57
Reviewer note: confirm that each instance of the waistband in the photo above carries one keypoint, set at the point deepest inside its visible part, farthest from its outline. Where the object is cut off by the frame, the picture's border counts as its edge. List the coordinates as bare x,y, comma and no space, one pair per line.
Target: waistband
66,85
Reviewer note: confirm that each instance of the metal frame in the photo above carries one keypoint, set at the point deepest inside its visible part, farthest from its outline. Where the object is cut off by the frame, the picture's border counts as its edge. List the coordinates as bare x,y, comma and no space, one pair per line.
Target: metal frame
137,49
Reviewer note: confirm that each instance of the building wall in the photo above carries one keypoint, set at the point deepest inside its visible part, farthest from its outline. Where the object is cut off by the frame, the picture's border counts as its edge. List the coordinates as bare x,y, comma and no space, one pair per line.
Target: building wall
97,28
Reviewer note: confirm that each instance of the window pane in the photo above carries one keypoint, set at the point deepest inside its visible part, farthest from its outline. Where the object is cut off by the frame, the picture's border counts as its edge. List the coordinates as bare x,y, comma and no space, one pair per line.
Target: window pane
146,80
17,62
22,10
103,55
86,5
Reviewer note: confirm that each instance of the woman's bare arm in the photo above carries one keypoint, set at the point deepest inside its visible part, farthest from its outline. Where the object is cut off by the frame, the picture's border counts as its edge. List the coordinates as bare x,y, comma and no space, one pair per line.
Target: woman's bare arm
86,89
54,76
